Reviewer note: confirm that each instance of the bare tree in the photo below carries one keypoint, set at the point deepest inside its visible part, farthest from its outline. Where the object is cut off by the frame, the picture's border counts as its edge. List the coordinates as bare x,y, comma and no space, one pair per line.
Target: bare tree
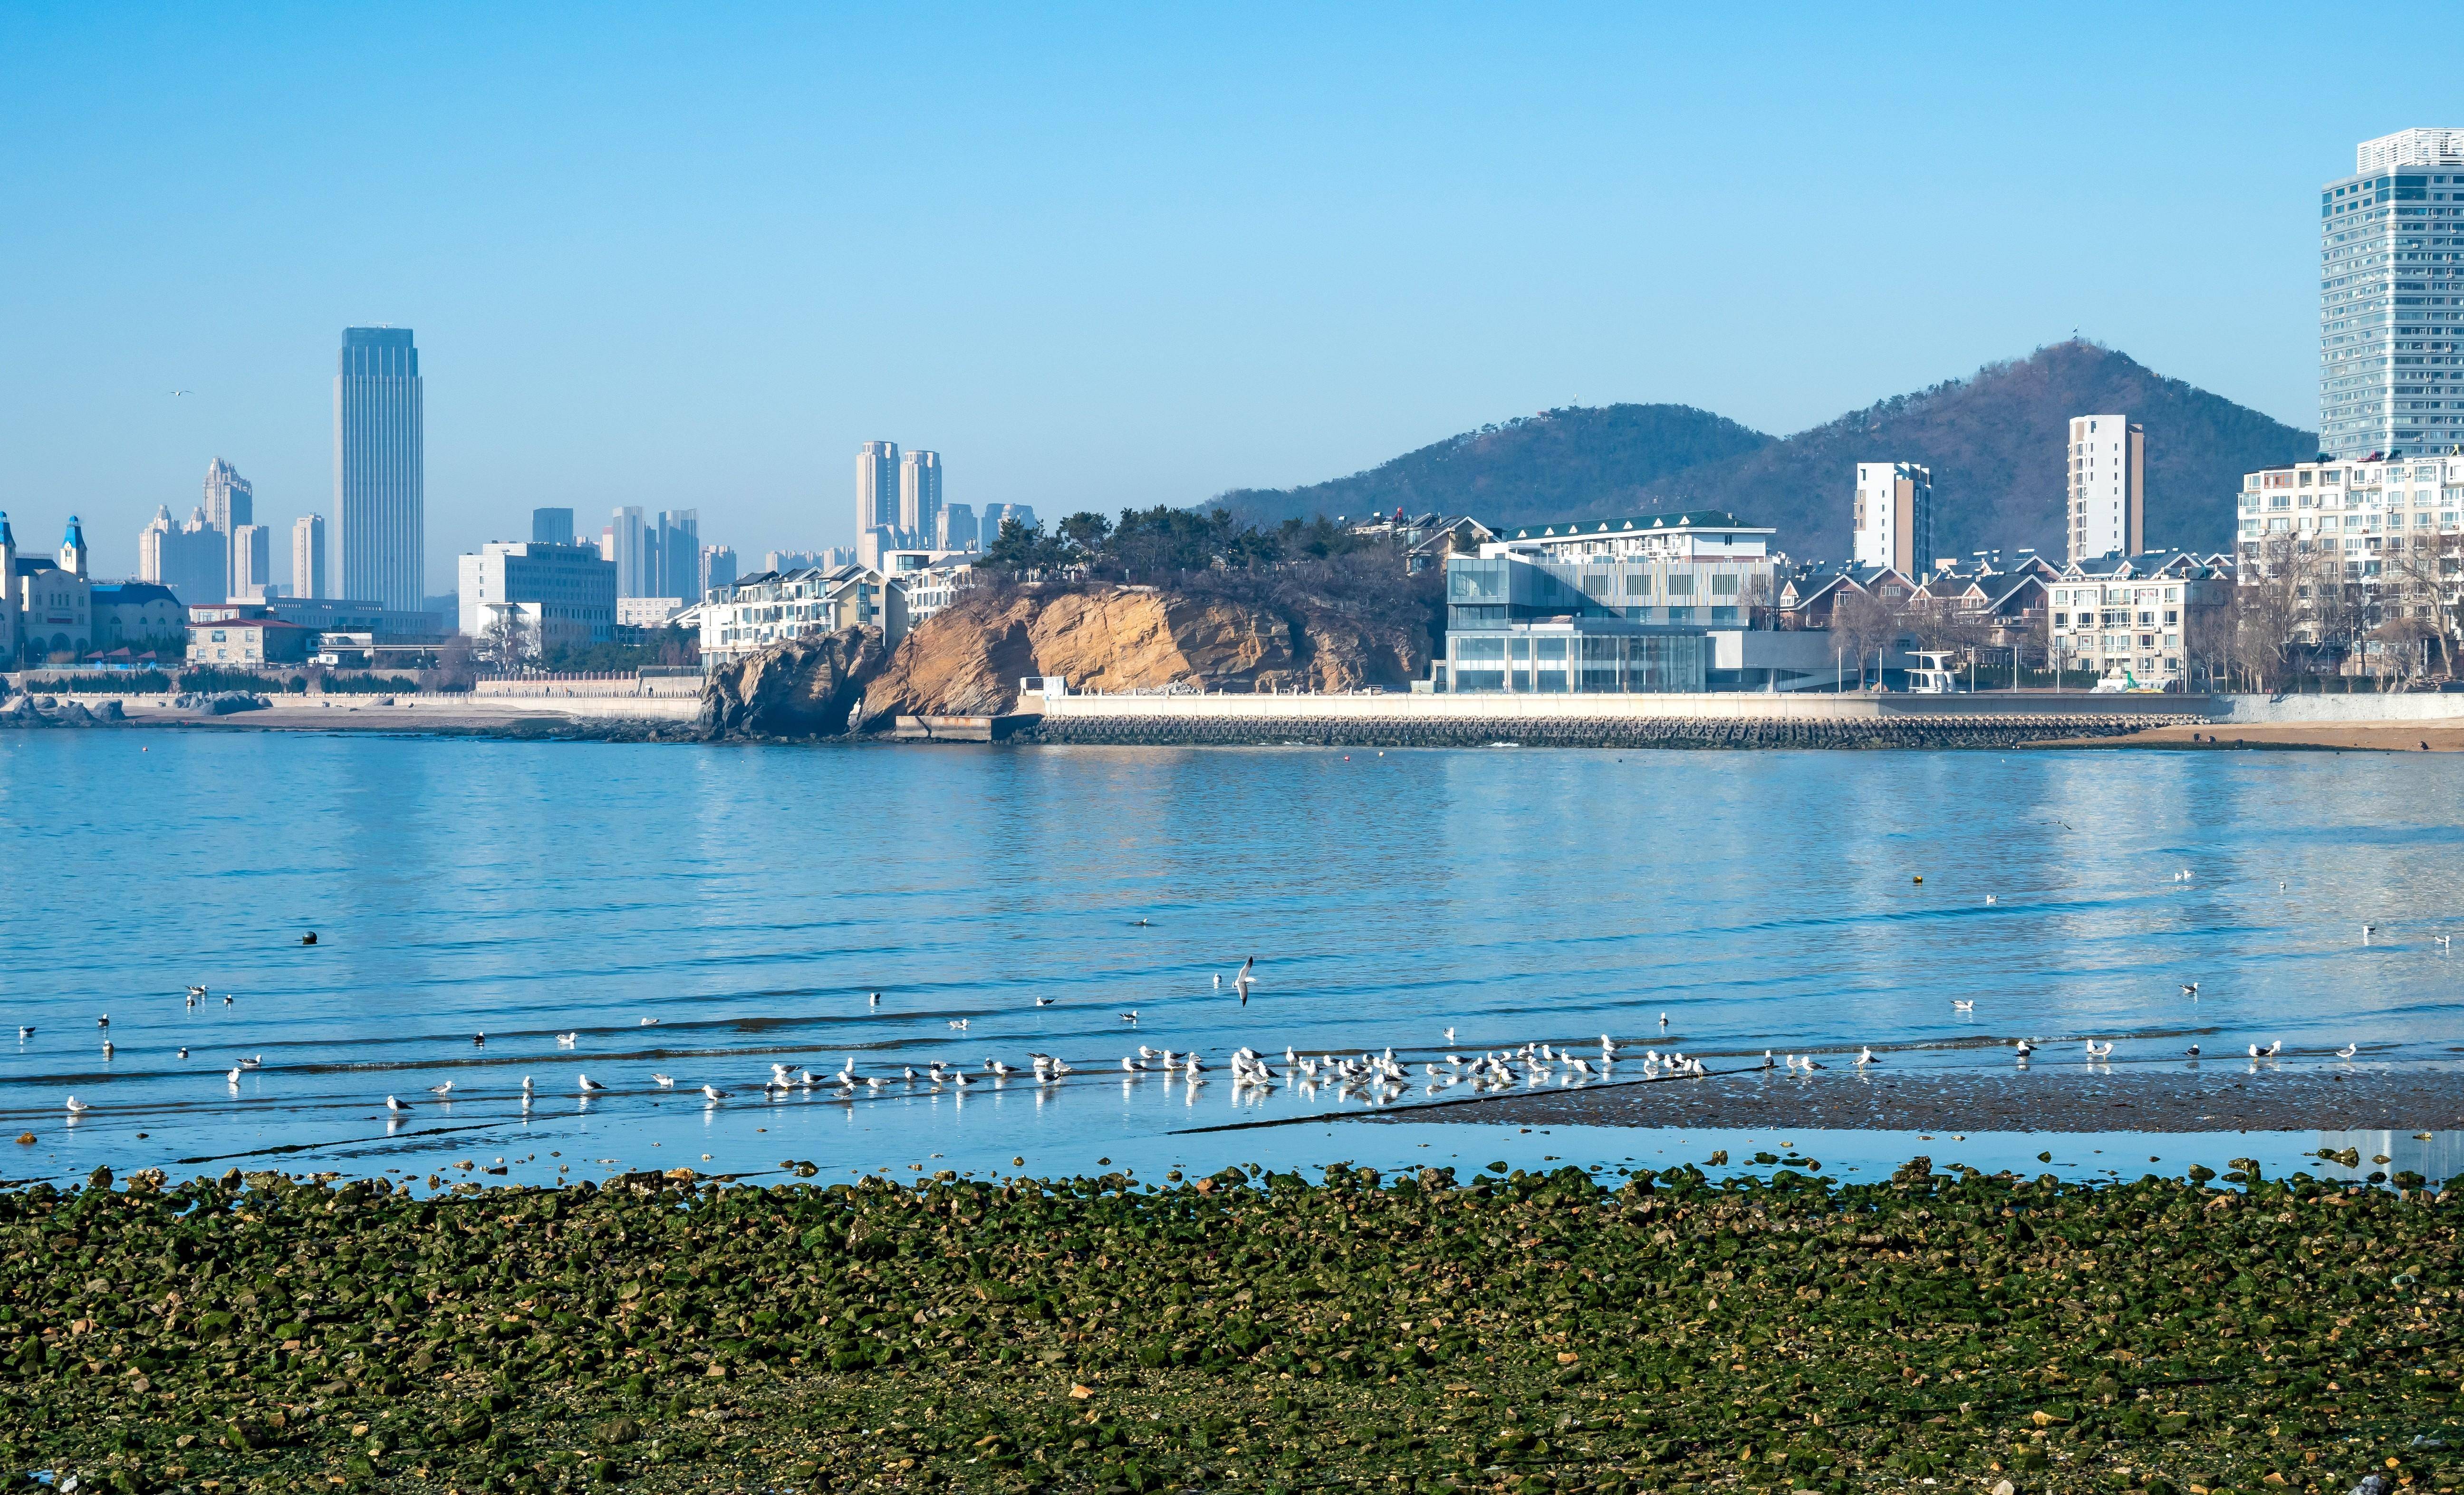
2417,582
1864,623
506,641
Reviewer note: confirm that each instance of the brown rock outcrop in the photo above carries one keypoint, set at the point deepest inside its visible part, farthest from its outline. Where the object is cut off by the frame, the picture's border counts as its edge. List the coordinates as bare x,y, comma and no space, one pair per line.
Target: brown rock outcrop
967,659
803,688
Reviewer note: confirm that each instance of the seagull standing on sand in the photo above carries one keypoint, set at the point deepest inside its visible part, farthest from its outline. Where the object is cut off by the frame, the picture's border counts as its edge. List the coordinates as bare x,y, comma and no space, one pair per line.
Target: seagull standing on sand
75,1106
714,1092
2348,1050
588,1083
395,1106
233,1077
440,1090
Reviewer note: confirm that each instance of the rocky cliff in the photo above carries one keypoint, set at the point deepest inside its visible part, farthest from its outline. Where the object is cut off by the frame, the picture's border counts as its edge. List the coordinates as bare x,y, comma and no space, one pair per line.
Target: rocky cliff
805,688
967,660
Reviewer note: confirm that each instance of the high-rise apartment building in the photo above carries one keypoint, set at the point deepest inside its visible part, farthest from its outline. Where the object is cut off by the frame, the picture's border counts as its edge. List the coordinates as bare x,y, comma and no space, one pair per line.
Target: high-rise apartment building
877,486
551,526
717,569
2107,488
308,555
919,495
2391,298
193,559
251,563
955,530
1894,516
997,515
379,483
231,500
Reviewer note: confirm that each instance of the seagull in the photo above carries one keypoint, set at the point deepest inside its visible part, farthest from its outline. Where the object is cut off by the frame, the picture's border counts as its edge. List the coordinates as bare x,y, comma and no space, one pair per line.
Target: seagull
1450,1035
1128,1065
2192,1051
1864,1057
526,1087
2190,988
176,393
478,1039
233,1077
184,1050
196,991
1130,1016
396,1105
2095,1051
568,1040
106,1048
650,1022
24,1032
1989,898
75,1106
588,1083
2024,1048
1963,1007
2348,1050
439,1089
1045,1002
2440,940
252,1062
665,1081
226,1000
2367,929
874,1000
714,1092
103,1022
1240,982
1663,1020
1766,1059
959,1024
2275,1048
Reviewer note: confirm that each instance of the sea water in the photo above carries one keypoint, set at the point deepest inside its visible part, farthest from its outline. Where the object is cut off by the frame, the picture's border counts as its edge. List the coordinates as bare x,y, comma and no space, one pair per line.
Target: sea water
705,911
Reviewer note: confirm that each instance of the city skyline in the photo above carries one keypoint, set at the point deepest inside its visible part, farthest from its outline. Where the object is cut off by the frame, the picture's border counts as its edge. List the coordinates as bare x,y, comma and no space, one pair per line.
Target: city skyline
1303,316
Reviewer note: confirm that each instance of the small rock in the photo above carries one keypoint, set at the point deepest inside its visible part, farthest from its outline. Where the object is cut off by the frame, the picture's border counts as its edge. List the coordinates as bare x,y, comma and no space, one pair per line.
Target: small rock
1079,1392
2005,1487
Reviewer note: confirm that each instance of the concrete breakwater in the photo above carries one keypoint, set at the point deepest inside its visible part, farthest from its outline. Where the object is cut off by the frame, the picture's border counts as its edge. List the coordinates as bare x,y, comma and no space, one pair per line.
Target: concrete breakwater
1727,720
1592,731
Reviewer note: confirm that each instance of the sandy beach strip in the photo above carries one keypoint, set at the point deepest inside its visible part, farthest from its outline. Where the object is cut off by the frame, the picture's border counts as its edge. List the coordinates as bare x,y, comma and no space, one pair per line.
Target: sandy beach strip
2399,736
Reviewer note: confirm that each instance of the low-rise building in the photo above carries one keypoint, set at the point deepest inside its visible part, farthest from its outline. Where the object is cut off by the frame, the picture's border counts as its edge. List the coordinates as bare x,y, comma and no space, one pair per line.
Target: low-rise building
138,615
769,607
646,612
247,643
2154,617
52,600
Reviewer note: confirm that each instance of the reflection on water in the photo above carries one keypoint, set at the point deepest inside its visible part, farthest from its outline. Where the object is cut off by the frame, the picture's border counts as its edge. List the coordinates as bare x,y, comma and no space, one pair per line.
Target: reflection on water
705,913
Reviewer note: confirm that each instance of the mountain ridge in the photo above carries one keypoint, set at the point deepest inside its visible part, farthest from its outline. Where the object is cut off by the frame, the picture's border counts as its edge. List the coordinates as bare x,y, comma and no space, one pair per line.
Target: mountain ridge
1994,441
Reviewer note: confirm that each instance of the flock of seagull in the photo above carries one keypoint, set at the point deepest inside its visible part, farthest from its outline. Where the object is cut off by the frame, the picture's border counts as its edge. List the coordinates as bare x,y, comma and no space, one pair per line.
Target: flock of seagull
1380,1076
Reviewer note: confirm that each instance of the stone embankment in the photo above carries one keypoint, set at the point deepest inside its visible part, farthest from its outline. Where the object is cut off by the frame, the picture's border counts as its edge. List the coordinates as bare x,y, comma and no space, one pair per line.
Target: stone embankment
1406,729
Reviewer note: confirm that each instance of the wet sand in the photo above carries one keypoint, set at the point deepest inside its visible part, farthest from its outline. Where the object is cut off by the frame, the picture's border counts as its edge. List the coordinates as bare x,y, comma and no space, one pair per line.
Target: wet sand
2325,735
2219,1097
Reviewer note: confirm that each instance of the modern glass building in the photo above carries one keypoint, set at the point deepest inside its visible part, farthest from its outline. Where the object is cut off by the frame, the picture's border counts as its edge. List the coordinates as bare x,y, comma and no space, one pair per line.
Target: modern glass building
380,481
1656,603
2391,298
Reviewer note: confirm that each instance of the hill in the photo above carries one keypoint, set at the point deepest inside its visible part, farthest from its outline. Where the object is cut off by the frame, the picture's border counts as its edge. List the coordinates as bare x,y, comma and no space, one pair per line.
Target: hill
1993,440
1555,464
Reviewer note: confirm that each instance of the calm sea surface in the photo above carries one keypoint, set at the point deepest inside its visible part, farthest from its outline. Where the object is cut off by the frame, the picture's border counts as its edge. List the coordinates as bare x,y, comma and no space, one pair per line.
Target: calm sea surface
705,911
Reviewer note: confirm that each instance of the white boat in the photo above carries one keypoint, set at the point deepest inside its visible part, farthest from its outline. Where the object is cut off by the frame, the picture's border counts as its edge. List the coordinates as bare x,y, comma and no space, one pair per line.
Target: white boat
1933,675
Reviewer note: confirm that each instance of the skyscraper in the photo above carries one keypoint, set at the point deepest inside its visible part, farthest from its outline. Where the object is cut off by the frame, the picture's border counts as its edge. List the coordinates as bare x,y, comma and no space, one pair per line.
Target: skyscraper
251,563
379,483
193,559
2109,486
919,497
308,555
717,569
231,504
551,526
622,542
1894,516
675,556
2387,310
877,486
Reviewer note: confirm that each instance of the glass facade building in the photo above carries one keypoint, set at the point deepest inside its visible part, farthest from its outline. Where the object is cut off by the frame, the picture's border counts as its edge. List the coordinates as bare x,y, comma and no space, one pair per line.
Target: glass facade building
380,474
1606,624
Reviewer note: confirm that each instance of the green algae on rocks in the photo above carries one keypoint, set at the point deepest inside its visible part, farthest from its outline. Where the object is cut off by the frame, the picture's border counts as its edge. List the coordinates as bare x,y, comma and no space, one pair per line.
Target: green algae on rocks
1247,1330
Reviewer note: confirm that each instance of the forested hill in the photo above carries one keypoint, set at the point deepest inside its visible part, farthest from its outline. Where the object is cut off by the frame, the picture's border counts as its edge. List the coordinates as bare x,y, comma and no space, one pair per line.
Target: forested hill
1994,441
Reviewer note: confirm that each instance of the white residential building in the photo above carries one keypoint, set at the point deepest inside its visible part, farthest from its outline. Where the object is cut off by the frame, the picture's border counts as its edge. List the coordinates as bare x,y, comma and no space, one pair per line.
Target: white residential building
919,495
646,612
770,607
1893,520
2391,298
2109,486
251,563
2363,513
2138,617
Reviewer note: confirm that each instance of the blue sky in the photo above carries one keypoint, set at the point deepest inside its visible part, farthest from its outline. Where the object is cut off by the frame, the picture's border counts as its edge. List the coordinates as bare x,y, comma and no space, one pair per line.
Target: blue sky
689,256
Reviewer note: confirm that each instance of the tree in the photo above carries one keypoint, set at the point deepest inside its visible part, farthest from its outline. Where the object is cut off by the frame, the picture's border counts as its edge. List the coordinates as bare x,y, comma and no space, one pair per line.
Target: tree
1863,623
506,641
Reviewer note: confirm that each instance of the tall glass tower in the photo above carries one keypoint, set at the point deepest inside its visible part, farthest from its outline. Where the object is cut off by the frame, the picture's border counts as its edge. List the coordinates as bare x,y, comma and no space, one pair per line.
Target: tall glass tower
2391,298
380,487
